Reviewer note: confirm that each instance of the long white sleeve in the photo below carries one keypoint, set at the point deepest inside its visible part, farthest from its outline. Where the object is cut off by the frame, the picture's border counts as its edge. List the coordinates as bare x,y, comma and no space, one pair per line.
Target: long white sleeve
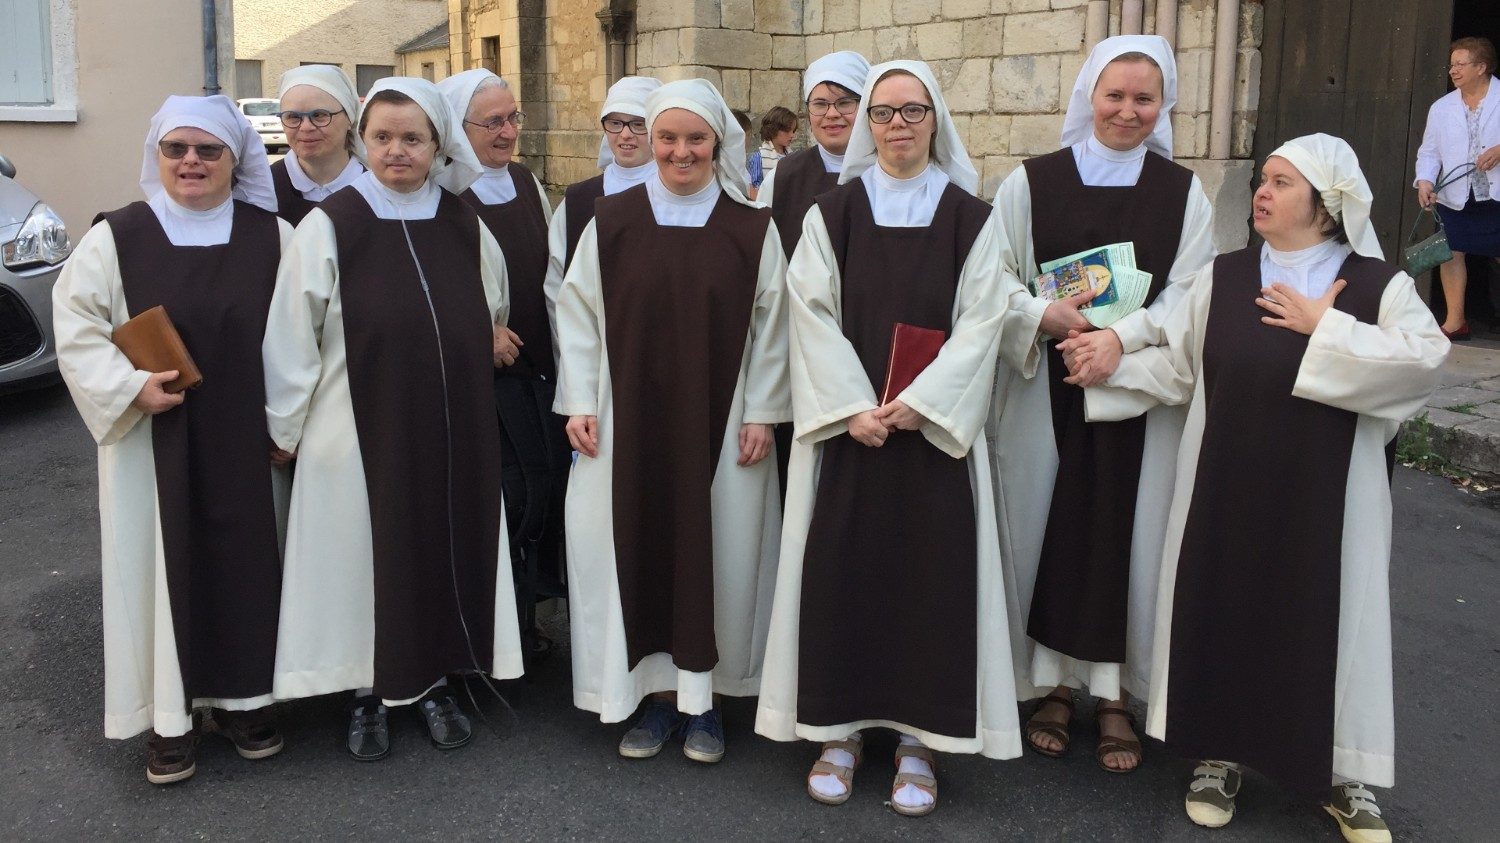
768,396
1020,342
494,276
291,352
580,334
1195,249
1164,374
88,303
557,253
1387,370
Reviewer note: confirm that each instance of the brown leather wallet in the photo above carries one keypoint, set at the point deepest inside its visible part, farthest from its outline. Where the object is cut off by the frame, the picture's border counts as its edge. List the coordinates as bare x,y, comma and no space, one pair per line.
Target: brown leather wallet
912,349
152,344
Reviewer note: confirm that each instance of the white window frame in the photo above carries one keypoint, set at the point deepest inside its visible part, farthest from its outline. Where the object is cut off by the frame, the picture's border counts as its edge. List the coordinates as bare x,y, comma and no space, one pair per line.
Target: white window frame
64,50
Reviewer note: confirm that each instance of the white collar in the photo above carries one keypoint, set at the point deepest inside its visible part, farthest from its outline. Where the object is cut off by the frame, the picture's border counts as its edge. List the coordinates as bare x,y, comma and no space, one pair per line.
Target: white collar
690,211
420,204
495,186
831,163
904,203
187,227
618,178
1304,257
1129,156
304,183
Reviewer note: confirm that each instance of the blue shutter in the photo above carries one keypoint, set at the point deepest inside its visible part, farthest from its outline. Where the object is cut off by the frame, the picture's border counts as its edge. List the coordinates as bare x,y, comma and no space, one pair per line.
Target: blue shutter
25,53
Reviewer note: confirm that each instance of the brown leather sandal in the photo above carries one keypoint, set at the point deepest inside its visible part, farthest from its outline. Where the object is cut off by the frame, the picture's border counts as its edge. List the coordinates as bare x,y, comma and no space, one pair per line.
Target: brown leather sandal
1055,729
1110,744
926,784
845,775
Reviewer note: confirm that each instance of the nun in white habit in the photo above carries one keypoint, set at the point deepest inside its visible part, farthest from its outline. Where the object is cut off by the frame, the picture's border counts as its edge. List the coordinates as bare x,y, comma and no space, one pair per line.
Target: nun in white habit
673,373
1082,507
379,363
890,606
625,160
189,501
1298,360
318,109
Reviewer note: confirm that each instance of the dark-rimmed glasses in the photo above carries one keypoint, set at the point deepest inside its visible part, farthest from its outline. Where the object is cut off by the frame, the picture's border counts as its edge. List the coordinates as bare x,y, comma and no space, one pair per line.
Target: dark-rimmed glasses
843,105
615,126
912,112
177,149
495,124
319,117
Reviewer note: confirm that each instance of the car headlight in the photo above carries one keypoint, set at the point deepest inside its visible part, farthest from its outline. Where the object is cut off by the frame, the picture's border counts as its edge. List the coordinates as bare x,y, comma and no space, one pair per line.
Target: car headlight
43,239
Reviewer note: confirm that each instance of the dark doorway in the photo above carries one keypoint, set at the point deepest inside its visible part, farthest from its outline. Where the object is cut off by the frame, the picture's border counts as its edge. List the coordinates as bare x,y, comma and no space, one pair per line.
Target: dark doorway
1478,18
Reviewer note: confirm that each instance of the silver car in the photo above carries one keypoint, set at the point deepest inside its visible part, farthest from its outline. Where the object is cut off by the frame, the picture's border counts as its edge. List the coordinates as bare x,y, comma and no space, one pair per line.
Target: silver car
33,245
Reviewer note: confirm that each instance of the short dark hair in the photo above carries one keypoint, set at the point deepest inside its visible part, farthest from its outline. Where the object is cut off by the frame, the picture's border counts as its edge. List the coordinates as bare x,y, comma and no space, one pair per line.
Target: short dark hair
1479,49
392,98
838,89
777,120
1334,227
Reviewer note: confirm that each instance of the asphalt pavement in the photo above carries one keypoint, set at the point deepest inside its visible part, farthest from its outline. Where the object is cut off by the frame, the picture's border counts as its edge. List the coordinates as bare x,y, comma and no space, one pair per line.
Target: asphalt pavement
552,771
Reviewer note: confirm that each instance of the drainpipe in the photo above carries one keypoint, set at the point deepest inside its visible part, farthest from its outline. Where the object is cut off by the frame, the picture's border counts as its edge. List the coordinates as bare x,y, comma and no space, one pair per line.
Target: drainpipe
1095,24
1133,17
210,48
1166,21
1226,50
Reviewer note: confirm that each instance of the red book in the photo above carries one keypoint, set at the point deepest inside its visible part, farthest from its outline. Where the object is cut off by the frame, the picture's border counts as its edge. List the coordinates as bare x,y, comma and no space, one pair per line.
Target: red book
912,348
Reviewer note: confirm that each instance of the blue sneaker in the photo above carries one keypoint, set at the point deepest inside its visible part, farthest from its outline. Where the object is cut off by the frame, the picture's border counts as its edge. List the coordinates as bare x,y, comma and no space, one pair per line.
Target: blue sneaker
657,725
704,740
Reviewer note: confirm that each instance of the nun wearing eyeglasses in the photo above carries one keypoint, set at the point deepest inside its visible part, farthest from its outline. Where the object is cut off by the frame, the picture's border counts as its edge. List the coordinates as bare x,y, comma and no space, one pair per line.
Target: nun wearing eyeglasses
188,497
379,363
1298,361
318,107
673,373
1083,505
890,607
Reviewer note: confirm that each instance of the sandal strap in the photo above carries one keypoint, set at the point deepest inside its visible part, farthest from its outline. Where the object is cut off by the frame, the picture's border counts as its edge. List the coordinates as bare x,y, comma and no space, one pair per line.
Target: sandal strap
921,782
853,746
921,753
1060,699
828,768
1101,709
1108,745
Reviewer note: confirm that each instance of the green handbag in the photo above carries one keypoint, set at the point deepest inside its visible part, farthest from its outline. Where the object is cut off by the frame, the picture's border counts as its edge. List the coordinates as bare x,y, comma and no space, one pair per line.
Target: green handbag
1432,252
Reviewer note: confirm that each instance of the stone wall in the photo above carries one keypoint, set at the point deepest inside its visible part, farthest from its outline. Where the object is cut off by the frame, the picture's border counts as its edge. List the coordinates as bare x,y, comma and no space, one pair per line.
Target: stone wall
285,33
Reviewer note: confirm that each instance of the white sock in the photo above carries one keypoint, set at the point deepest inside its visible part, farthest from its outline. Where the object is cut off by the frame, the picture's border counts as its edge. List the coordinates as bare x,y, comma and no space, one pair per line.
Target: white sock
827,785
910,796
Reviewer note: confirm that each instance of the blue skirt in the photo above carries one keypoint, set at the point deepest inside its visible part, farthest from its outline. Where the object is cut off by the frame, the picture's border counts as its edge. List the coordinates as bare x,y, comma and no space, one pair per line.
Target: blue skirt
1475,230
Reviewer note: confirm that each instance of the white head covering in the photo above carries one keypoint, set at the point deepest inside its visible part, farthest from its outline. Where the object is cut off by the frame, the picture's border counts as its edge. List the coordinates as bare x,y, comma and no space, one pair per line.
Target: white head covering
1078,125
458,91
701,98
948,153
845,68
218,116
627,96
454,165
1333,168
328,78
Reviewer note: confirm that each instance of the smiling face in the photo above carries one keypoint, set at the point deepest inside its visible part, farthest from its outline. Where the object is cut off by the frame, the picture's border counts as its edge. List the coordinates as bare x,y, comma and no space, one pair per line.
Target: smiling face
629,148
902,148
831,129
1127,102
1464,70
401,145
317,143
492,103
683,144
1285,211
190,181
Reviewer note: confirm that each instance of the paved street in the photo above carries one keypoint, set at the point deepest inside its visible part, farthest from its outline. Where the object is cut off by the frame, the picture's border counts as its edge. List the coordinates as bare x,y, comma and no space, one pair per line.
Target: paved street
553,772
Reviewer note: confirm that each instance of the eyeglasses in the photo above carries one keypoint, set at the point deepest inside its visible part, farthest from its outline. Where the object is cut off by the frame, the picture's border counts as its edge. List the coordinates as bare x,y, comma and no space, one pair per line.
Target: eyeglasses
1456,65
320,117
845,106
912,112
495,124
177,149
615,126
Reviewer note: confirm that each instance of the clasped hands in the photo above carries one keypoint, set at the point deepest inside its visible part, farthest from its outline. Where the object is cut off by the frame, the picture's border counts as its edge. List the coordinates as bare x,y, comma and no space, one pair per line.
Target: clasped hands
873,426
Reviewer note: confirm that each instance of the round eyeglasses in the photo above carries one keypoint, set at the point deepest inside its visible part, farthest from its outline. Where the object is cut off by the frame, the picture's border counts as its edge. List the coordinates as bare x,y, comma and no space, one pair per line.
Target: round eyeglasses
319,117
615,126
844,105
912,112
495,124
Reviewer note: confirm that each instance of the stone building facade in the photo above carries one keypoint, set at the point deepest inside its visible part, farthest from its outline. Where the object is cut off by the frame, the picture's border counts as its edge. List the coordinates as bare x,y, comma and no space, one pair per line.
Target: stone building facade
1006,67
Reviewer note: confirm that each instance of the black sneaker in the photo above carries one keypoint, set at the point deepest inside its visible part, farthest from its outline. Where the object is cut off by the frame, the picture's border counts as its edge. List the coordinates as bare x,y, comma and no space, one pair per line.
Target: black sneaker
369,734
171,760
253,733
446,722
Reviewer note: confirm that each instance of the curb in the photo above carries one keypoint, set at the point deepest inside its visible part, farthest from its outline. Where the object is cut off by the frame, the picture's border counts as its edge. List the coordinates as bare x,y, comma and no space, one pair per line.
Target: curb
1460,426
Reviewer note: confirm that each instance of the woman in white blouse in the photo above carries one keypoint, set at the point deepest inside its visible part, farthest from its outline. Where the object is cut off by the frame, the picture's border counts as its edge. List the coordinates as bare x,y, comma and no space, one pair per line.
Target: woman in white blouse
1463,129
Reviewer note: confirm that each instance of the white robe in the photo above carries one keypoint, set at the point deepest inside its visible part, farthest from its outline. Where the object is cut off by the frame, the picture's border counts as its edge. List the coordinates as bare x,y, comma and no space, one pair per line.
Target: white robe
327,639
746,511
1024,451
1384,373
829,385
142,678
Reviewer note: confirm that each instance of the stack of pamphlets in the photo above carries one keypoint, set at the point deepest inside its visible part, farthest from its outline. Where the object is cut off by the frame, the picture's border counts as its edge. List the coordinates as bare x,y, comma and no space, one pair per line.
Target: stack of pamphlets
1108,270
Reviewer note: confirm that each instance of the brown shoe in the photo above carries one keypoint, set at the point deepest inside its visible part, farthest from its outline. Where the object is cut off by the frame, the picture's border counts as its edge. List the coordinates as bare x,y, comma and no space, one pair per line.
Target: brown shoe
171,760
253,733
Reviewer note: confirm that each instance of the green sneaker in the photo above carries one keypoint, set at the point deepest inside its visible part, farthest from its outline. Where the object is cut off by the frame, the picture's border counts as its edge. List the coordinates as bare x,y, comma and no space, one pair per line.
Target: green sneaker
1353,805
1210,796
